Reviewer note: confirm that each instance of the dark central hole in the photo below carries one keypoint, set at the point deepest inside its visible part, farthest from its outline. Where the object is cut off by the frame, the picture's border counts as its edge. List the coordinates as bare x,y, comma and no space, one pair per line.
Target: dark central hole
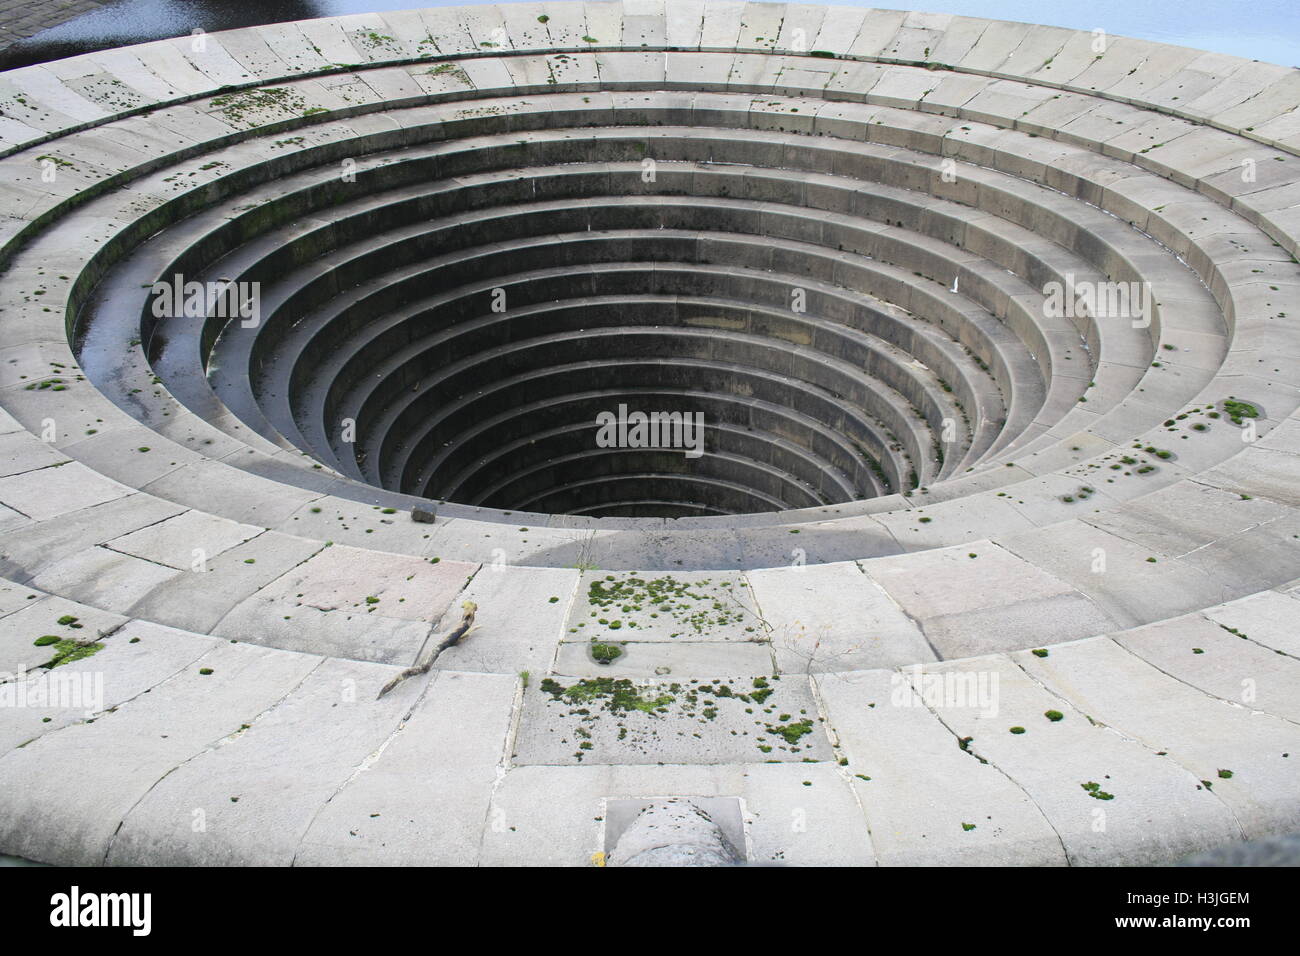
632,404
458,325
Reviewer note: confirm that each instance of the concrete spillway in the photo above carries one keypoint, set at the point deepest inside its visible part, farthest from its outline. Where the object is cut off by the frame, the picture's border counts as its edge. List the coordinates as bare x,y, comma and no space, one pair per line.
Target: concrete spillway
991,332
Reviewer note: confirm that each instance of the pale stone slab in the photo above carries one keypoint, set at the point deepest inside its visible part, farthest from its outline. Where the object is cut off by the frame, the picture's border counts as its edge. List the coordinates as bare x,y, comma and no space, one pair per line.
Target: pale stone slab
31,549
793,814
1267,618
928,802
260,790
424,800
198,599
942,523
51,492
1116,575
40,617
806,815
11,519
1115,687
662,720
520,619
323,605
14,596
648,659
104,578
235,495
1256,471
134,659
1184,517
839,29
833,617
21,451
567,832
993,602
669,606
1204,654
182,541
1260,557
1156,811
96,772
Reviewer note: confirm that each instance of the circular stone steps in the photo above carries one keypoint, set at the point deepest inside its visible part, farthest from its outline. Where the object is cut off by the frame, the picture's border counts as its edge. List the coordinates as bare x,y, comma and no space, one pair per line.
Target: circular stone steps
935,507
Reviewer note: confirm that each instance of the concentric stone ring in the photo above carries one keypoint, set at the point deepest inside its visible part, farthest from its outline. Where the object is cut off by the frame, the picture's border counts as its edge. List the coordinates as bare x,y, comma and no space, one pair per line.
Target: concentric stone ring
883,419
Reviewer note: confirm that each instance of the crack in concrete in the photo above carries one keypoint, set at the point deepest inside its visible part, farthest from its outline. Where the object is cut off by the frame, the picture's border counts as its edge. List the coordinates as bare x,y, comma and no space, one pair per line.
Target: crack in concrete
220,742
1136,739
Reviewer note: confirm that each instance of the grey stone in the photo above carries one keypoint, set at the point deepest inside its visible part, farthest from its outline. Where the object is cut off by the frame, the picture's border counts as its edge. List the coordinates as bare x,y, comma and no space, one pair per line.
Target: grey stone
921,460
672,833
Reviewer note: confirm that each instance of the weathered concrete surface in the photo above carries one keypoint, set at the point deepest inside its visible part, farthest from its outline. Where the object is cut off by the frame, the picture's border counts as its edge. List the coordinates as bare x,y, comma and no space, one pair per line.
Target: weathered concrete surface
981,597
98,771
834,618
519,623
672,833
1238,753
937,467
424,797
254,804
663,720
927,801
379,606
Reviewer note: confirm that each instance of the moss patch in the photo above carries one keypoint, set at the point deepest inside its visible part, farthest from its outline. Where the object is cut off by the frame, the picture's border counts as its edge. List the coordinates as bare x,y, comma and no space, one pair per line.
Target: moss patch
693,607
1237,410
66,651
605,653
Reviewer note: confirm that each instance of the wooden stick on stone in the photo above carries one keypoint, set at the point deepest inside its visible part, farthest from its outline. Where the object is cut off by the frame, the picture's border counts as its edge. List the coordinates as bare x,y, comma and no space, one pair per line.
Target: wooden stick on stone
426,657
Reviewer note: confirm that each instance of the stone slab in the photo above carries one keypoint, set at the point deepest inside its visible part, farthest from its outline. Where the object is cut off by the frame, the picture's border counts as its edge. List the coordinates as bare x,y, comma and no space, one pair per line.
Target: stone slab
38,618
104,578
424,799
927,801
670,606
137,657
995,601
661,720
1145,809
323,605
520,619
1202,733
182,541
833,617
96,772
260,791
648,659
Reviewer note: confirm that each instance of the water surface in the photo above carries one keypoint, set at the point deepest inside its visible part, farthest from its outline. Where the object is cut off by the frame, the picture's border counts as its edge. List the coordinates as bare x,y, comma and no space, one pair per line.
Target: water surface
1255,29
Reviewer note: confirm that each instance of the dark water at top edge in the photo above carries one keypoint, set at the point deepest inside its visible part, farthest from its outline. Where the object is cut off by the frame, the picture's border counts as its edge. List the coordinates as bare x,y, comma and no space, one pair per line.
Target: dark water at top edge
1266,30
139,21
